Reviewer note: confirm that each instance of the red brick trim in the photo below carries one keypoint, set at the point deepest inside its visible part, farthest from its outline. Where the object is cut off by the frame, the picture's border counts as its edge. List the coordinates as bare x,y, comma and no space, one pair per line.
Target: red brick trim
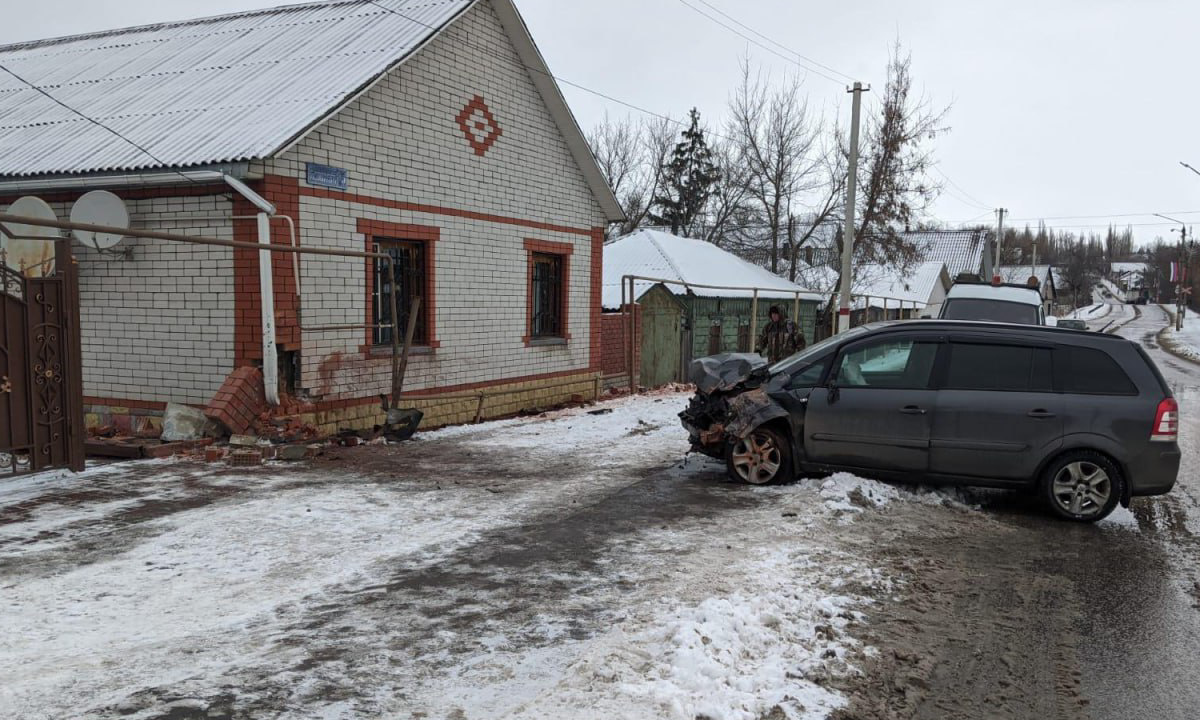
436,210
131,404
431,393
564,251
371,229
284,193
597,296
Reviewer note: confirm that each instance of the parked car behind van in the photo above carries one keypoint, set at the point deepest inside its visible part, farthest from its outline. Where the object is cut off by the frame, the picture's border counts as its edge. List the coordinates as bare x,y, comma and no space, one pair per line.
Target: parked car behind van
1072,324
1083,418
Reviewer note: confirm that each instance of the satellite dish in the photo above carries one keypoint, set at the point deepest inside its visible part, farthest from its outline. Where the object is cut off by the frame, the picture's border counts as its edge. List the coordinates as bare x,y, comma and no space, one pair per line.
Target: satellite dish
32,258
99,207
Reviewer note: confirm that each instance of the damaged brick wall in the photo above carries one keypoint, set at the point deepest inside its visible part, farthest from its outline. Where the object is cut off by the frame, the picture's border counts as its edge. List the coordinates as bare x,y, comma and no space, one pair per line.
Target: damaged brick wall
240,400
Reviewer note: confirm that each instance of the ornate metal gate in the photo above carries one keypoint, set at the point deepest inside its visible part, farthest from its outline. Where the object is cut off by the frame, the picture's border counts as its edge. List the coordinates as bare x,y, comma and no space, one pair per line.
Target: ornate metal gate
41,388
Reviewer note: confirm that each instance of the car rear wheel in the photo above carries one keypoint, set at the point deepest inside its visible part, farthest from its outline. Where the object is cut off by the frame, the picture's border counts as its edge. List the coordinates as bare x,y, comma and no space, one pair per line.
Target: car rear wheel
1083,486
762,457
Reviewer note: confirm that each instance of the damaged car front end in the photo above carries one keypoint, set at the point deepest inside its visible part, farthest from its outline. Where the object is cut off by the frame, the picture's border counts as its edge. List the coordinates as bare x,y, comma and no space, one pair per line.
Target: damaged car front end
751,414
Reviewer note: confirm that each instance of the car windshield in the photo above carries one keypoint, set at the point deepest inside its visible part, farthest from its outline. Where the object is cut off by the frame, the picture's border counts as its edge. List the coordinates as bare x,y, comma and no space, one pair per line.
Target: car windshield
990,311
812,352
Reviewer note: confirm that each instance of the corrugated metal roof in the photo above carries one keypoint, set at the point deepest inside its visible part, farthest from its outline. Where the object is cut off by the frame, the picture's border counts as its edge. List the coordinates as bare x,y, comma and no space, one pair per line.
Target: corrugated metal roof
914,285
222,89
960,250
686,262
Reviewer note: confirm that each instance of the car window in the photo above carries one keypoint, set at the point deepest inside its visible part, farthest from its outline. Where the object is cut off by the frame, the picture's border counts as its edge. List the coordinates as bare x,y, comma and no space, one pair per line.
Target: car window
991,311
888,364
806,355
811,375
1094,372
982,366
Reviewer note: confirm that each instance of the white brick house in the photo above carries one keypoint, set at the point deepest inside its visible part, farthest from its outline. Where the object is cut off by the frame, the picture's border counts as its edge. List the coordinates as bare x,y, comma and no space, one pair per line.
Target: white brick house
460,158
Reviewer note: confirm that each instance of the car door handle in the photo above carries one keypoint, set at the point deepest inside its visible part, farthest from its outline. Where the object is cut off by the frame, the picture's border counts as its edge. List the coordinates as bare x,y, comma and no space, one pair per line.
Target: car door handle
912,410
1041,414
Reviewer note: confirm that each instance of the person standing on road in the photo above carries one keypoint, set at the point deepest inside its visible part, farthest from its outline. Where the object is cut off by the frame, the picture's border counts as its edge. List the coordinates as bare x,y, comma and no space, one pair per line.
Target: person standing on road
780,338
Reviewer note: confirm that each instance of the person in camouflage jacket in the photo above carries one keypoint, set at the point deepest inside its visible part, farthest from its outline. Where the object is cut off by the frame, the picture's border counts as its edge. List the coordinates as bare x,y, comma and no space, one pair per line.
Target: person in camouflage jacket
780,338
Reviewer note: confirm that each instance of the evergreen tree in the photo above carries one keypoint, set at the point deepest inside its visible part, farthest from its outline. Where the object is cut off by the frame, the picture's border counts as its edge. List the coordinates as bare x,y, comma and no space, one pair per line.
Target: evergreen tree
689,178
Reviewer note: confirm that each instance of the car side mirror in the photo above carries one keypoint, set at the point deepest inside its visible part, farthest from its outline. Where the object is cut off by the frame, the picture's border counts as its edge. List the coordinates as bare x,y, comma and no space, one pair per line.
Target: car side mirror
833,392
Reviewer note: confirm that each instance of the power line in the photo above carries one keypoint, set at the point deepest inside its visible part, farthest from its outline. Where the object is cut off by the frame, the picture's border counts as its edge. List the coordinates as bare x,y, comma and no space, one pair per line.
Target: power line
974,200
773,42
564,81
1092,217
769,49
1117,215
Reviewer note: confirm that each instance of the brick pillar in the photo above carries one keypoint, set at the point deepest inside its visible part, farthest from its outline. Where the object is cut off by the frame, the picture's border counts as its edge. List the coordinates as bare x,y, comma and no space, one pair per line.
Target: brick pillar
284,193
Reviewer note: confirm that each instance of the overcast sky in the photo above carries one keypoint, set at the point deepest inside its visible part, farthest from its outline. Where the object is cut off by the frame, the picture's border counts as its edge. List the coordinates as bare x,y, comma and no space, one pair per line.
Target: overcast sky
1062,108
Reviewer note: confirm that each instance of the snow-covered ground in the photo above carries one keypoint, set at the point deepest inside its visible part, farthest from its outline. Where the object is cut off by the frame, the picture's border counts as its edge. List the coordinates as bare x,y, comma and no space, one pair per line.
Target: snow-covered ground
575,565
1186,341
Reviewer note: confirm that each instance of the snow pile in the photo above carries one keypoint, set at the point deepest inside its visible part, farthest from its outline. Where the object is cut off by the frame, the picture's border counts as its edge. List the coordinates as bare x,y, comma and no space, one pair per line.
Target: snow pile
1185,342
847,495
740,656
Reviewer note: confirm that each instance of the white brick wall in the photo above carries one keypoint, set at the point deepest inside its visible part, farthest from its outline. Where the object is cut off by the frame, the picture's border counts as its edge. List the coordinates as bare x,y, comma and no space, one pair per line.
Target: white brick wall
400,142
159,326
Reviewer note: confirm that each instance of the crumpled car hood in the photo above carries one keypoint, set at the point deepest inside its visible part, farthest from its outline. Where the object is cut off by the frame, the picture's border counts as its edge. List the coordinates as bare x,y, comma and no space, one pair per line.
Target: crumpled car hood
724,372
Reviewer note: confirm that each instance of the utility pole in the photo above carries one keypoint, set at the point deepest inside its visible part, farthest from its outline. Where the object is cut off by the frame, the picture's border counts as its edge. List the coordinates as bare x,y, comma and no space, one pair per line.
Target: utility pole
1180,302
851,201
1179,272
999,243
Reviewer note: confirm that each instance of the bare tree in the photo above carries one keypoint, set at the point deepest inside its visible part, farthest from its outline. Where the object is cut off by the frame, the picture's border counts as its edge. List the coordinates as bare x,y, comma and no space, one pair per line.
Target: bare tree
618,150
729,212
776,144
631,155
894,189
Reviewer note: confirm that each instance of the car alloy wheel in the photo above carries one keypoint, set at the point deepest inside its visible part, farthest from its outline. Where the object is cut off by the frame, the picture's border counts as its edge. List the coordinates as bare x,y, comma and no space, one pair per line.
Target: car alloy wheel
757,458
1082,489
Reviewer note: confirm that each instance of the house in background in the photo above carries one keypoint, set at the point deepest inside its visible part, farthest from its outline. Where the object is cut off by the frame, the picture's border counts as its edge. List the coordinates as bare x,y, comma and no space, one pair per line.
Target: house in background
678,319
961,251
1042,274
1130,279
430,131
889,293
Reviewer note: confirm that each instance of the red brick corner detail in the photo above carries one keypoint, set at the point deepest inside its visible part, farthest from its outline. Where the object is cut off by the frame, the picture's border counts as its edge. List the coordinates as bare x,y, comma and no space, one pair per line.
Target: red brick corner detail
596,335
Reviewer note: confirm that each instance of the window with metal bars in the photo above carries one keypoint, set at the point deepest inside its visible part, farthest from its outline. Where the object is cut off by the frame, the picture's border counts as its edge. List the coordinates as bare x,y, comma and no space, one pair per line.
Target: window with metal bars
546,311
408,261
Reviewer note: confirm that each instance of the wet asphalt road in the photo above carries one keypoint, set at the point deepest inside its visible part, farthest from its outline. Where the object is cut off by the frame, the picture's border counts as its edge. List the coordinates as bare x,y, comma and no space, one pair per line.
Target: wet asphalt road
1137,625
1141,631
1012,613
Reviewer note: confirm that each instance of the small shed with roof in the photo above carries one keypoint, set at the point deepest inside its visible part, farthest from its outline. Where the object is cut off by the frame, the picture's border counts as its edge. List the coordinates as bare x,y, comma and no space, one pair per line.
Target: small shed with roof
695,299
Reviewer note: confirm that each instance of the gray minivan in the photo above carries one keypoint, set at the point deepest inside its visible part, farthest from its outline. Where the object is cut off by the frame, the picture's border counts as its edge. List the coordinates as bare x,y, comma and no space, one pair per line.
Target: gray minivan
1085,419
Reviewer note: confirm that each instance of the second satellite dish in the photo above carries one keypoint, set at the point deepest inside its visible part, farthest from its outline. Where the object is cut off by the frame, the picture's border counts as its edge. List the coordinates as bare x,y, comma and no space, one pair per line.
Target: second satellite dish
99,207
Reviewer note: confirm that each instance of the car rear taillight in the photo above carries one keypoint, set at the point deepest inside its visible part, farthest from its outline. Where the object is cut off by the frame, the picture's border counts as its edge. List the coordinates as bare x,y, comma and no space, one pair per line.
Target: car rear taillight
1166,422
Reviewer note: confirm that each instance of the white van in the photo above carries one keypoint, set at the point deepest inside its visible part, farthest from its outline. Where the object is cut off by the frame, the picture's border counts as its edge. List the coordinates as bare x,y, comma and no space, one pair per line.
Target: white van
1019,304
